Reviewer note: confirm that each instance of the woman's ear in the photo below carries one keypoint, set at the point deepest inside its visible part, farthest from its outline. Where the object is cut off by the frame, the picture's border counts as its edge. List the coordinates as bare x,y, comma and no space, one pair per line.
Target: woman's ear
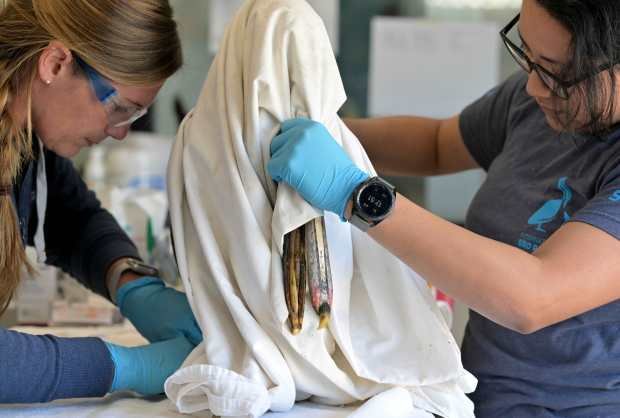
55,61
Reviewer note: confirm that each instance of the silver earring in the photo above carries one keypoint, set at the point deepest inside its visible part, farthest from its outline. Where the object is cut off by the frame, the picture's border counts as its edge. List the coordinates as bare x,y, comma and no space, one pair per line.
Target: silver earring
48,82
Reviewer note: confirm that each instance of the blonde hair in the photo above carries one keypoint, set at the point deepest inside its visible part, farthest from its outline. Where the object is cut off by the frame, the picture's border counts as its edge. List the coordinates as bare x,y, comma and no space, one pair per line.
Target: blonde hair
130,42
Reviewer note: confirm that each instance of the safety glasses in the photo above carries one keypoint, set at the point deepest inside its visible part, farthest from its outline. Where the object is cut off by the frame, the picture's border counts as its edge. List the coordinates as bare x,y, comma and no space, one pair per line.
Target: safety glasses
120,112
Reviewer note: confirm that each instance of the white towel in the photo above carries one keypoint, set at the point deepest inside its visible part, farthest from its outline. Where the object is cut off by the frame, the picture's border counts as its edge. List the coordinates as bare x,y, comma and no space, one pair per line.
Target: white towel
228,218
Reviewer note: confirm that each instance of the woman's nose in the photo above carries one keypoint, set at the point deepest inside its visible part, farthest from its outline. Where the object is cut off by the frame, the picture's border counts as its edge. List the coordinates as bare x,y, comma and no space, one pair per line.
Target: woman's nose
535,86
119,133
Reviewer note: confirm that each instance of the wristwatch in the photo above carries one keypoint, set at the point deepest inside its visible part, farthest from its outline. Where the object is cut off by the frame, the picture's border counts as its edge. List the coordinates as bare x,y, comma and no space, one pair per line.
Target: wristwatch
122,265
373,201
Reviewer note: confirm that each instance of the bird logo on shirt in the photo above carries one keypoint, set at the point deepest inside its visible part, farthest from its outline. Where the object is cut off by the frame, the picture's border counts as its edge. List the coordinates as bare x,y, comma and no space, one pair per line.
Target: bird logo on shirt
551,209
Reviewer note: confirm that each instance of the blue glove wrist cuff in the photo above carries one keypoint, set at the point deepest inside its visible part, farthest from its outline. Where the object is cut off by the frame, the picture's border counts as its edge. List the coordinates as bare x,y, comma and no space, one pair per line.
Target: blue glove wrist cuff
356,179
116,355
125,289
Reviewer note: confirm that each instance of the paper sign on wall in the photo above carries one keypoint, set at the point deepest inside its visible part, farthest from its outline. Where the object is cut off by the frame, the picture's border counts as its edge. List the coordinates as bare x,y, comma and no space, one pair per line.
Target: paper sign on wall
429,68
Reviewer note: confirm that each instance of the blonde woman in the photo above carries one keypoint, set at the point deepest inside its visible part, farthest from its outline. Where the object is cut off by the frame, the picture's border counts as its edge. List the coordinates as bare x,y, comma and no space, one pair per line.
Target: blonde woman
73,72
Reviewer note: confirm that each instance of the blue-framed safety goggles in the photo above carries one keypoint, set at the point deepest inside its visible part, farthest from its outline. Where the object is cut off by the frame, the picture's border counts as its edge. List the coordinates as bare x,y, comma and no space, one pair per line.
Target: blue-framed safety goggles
119,112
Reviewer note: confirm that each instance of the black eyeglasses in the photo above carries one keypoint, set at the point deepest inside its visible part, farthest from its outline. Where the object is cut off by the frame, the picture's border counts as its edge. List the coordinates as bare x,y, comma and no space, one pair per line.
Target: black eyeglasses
558,87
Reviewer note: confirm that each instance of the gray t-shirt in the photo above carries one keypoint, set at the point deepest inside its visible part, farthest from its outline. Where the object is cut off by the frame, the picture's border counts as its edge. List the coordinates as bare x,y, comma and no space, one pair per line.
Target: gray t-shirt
538,179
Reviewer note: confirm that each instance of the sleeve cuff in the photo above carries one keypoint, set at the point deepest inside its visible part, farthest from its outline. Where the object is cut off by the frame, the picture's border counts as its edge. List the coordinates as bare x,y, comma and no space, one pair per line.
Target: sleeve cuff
86,368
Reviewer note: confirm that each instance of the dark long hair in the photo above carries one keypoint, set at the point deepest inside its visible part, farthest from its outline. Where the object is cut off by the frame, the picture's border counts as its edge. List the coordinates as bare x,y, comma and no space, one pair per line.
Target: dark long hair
595,29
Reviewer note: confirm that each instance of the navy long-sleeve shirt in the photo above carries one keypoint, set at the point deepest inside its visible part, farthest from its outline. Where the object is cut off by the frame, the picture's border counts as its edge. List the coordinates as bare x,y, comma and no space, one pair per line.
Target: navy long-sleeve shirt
82,239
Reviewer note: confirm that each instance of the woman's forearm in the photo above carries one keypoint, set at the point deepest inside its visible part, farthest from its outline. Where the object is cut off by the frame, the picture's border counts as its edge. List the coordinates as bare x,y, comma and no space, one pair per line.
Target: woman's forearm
495,279
41,368
399,145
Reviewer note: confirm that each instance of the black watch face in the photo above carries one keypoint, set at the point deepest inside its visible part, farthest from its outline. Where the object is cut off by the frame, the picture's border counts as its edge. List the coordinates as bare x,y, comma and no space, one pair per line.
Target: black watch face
375,201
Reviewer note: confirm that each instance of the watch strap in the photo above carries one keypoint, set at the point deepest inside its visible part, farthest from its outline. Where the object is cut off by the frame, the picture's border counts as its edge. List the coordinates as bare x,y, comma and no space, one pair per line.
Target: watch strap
122,265
360,222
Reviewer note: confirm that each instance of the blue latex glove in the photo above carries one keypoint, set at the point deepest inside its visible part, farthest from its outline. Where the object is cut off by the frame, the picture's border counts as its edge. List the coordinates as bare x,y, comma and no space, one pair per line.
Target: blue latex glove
158,312
305,156
144,369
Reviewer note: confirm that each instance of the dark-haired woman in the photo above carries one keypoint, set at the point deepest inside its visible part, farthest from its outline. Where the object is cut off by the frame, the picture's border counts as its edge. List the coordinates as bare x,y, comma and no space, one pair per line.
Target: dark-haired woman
538,261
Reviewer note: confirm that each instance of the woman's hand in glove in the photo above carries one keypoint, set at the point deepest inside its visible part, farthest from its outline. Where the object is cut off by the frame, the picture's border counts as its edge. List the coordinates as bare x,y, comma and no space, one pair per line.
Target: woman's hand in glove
158,312
306,157
144,369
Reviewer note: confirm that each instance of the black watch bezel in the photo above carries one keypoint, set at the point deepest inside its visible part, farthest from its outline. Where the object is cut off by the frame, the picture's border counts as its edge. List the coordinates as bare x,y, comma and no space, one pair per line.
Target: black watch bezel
359,208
